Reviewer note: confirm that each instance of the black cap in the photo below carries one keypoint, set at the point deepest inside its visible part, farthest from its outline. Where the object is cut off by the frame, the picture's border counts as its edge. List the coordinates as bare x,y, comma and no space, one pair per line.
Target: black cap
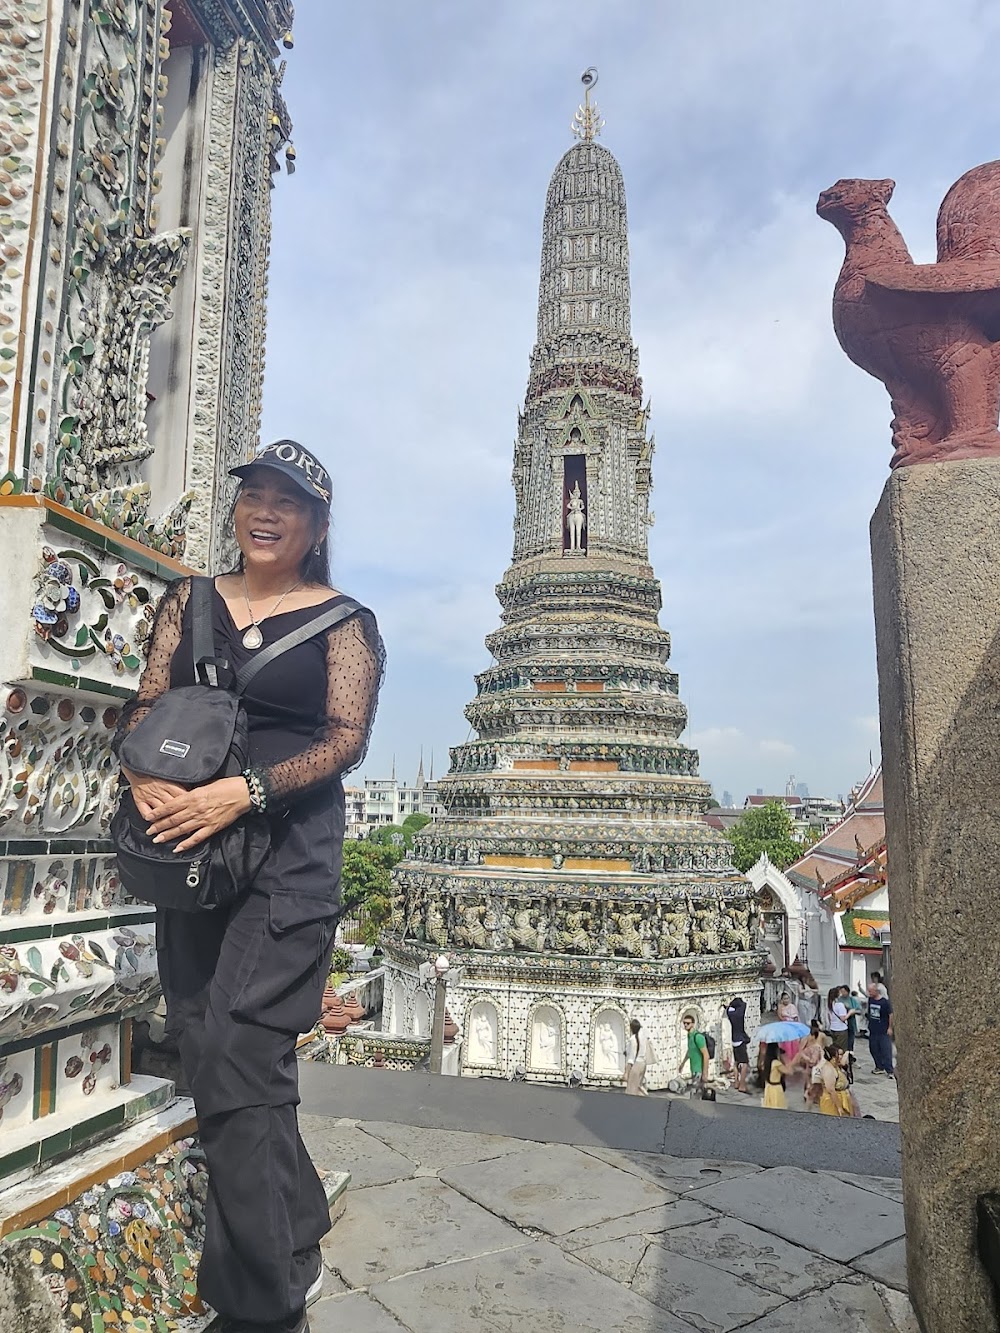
299,464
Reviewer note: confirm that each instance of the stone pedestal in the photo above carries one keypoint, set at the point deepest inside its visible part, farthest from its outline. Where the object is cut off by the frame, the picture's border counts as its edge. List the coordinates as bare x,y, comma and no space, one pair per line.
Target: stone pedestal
936,559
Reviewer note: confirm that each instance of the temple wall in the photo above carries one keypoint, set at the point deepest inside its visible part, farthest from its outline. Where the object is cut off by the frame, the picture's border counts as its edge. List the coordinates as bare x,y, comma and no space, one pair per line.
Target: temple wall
550,1027
138,140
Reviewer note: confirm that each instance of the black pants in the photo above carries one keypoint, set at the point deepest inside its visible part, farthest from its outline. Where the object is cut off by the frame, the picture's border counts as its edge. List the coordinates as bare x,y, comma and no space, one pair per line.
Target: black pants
240,987
880,1046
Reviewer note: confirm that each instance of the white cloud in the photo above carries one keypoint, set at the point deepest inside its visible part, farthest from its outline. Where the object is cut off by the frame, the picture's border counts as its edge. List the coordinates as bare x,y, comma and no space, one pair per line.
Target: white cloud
779,749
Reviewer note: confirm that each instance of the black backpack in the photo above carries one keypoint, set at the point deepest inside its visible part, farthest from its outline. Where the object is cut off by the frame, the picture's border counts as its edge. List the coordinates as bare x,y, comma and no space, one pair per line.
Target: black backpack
709,1044
192,735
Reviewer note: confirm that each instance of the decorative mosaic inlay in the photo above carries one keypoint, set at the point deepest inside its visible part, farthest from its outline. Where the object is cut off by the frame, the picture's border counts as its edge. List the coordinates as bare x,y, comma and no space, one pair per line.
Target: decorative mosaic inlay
125,1253
79,632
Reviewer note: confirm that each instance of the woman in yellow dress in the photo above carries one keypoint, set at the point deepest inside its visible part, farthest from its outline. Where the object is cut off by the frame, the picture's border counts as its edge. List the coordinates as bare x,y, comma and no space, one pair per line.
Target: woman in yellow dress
829,1098
774,1079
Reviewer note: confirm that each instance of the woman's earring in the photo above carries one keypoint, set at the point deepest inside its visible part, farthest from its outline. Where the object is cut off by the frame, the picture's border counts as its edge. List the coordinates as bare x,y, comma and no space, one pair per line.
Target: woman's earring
316,549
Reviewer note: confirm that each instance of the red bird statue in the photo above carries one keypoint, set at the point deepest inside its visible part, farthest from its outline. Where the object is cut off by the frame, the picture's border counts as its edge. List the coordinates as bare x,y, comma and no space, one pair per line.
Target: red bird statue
929,332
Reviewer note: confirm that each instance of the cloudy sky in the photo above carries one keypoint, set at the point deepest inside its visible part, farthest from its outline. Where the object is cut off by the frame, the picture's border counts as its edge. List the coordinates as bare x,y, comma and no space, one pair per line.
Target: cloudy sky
402,313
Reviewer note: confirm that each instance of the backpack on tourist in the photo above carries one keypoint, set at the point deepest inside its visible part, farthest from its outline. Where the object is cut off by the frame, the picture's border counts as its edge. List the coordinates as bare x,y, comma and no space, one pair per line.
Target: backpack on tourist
191,735
709,1044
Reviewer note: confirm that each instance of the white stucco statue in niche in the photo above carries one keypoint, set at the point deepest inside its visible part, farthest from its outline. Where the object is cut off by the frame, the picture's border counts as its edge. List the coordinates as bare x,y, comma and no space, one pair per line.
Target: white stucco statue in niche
609,1043
575,518
483,1035
546,1041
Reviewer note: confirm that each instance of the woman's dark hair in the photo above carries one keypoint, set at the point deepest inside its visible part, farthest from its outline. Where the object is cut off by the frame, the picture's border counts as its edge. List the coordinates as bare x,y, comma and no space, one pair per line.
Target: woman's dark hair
814,1028
634,1027
315,567
832,996
770,1055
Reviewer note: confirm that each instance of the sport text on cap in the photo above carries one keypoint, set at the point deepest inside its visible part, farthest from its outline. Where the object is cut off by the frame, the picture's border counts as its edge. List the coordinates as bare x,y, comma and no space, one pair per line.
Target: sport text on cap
289,457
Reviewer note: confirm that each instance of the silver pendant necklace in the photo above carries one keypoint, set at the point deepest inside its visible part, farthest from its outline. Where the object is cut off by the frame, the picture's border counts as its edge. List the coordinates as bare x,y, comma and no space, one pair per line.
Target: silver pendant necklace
253,637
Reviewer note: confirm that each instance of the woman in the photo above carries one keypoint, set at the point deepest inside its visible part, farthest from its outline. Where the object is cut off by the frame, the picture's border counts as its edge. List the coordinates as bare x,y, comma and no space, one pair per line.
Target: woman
774,1079
836,1018
808,999
842,1088
829,1102
788,1013
241,983
853,1006
809,1056
636,1052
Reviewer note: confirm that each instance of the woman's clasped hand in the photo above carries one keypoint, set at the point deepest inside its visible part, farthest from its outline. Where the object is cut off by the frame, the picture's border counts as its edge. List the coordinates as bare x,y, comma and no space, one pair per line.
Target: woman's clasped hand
198,814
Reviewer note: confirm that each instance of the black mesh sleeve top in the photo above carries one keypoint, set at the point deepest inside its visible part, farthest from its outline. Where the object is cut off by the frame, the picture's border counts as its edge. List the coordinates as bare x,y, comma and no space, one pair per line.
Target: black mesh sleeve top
310,711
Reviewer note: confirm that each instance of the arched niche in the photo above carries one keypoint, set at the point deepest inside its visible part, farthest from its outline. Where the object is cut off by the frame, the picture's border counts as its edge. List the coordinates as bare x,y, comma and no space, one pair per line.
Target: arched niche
421,1014
545,1039
483,1035
397,1013
607,1047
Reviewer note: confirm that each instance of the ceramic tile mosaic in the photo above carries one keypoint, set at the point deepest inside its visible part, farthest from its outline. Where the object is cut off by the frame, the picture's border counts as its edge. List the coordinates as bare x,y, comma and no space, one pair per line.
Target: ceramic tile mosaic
125,1252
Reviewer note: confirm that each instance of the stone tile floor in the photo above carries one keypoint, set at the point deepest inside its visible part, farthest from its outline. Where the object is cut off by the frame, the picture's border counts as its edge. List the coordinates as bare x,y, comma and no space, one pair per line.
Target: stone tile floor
458,1232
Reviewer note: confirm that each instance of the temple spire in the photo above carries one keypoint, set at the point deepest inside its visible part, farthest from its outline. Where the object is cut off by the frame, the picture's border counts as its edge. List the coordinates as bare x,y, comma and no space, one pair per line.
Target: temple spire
587,123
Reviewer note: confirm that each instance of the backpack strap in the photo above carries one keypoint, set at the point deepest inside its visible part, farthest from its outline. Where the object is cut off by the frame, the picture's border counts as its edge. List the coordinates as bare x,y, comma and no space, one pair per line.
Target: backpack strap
206,664
317,625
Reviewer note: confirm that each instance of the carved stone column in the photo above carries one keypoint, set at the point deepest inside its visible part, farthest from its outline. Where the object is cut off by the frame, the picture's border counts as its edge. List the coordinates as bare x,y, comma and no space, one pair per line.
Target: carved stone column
937,610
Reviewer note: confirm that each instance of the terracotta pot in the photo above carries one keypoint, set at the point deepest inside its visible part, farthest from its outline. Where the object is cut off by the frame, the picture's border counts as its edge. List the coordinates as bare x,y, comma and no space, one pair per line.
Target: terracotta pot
336,1019
450,1029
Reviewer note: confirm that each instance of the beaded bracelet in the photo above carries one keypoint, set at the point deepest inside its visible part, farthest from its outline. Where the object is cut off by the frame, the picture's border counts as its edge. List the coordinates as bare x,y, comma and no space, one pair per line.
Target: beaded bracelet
258,794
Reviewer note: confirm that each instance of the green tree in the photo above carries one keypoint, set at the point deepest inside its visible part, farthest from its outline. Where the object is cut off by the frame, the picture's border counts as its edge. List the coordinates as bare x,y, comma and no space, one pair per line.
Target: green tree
764,828
367,869
412,825
366,883
390,835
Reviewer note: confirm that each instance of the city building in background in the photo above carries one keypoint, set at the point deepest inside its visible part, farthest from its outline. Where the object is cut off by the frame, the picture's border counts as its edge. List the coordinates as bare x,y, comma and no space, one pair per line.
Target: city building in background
383,801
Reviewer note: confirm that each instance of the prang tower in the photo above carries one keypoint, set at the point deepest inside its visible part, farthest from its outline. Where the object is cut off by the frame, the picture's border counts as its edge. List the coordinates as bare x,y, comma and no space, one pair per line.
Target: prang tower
572,879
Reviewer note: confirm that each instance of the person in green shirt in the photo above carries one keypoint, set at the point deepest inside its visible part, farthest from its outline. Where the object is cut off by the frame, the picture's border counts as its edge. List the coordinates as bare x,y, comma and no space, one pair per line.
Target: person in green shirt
697,1052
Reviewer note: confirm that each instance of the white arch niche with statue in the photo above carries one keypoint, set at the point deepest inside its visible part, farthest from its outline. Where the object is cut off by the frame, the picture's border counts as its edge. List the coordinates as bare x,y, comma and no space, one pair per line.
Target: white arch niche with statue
608,1035
482,1036
546,1038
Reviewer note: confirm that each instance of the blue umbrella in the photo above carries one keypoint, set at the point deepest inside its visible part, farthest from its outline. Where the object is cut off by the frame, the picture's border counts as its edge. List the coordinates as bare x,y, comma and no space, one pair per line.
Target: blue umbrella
781,1032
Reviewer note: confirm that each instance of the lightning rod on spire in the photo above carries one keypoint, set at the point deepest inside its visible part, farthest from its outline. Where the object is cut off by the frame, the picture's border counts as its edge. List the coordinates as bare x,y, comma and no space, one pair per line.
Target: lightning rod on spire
587,123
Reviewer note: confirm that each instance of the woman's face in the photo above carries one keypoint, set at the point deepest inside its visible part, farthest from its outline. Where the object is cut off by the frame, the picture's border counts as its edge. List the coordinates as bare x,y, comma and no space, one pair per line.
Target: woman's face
275,523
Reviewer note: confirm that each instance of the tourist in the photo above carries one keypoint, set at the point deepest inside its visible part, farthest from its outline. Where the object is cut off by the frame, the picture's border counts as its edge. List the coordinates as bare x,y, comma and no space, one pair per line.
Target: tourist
826,1075
736,1012
808,998
774,1079
843,1087
836,1018
636,1059
880,1030
788,1013
879,981
809,1056
696,1055
854,1008
242,982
